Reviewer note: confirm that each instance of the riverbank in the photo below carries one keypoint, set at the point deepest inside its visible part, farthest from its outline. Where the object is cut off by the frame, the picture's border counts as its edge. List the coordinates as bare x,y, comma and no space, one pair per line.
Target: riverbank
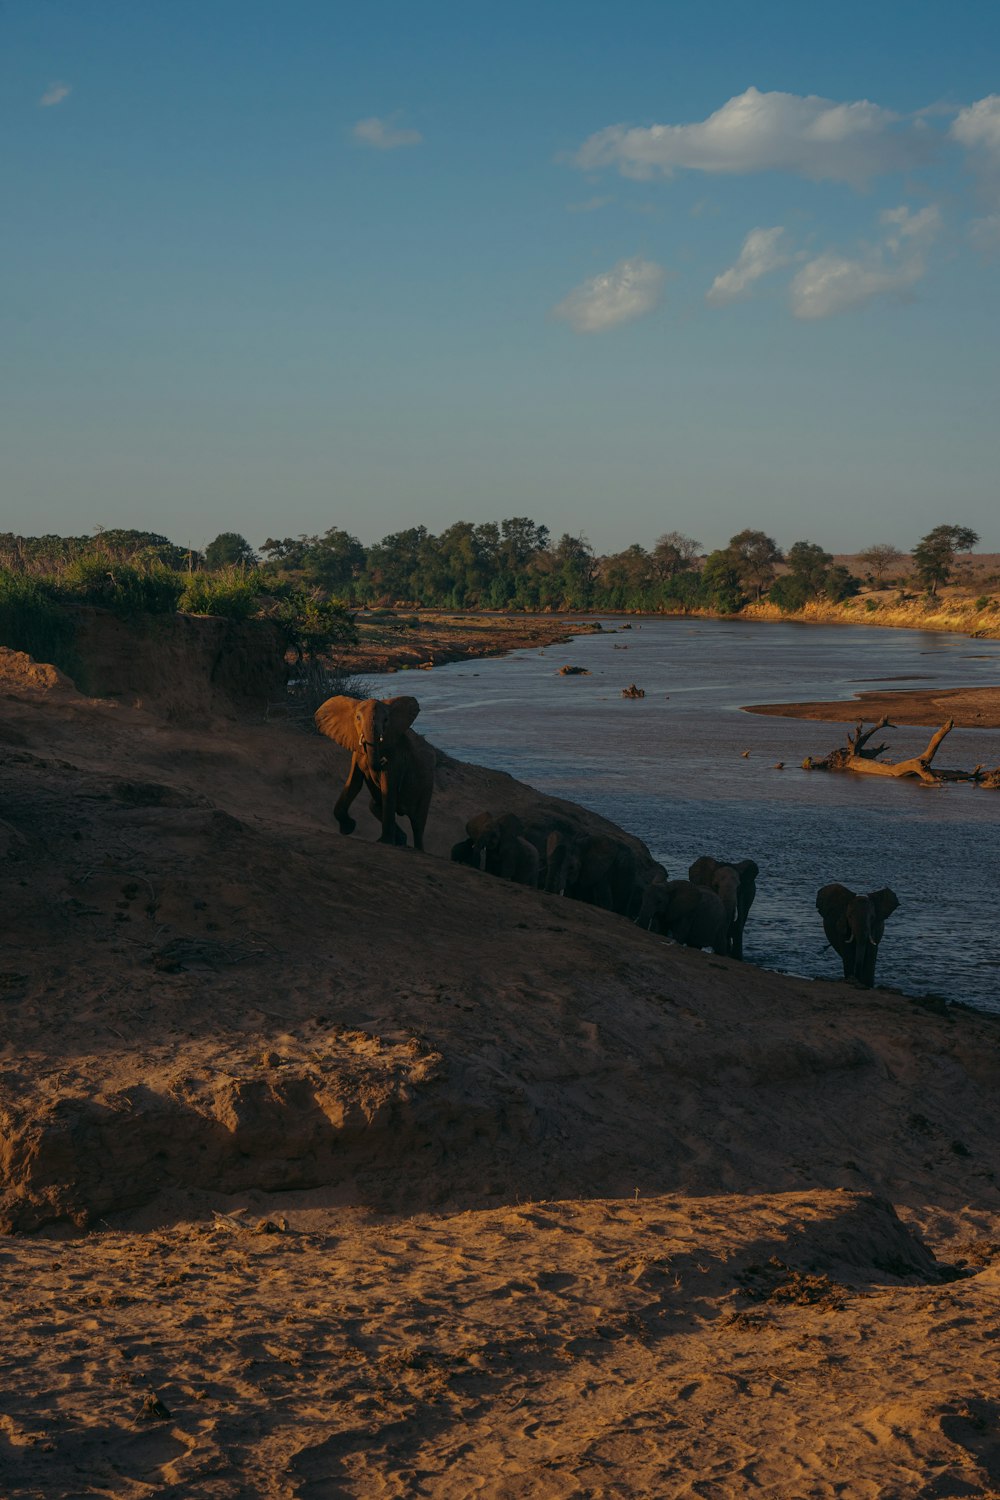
953,612
971,708
397,641
331,1168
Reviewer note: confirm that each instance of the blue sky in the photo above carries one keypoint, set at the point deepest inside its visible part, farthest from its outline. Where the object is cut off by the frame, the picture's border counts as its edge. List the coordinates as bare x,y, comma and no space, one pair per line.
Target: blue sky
623,268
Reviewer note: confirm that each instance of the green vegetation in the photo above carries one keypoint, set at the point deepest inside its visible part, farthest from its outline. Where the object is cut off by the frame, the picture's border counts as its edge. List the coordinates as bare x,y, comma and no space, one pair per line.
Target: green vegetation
308,585
31,621
934,554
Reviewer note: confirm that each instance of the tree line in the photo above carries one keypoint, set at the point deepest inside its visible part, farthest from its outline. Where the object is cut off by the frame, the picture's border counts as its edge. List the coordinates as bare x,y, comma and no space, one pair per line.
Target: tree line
513,564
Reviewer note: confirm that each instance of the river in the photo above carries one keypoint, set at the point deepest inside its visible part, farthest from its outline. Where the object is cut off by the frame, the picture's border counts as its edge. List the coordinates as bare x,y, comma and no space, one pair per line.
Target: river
670,768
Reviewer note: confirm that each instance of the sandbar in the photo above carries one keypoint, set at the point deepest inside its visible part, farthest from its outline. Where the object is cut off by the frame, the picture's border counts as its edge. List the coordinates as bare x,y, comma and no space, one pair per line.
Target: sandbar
970,707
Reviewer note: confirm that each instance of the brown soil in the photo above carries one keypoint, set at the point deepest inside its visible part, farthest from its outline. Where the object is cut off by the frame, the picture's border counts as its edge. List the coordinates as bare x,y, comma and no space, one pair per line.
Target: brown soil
389,1178
428,639
971,708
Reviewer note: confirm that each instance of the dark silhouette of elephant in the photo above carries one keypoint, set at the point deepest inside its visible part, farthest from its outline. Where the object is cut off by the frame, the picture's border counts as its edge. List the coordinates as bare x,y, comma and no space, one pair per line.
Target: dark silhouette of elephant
736,886
854,926
395,764
499,842
596,868
466,853
688,913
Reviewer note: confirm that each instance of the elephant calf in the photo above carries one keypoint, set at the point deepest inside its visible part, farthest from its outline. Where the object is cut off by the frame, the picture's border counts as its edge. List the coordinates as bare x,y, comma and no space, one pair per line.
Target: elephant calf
688,913
736,887
854,926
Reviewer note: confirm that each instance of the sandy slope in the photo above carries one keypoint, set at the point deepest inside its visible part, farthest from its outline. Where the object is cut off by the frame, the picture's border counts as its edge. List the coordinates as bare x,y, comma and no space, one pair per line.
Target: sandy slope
441,1093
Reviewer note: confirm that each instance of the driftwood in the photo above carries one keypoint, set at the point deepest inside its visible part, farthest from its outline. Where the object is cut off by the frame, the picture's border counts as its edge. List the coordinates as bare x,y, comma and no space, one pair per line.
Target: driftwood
859,755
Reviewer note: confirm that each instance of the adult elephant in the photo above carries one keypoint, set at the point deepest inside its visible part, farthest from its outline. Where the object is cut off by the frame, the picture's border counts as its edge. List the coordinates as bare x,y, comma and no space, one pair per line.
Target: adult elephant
499,843
735,883
688,913
396,765
854,926
597,869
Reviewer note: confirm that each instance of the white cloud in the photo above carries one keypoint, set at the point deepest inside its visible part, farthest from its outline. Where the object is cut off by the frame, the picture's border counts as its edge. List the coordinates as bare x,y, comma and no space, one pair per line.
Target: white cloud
978,127
384,135
978,130
628,291
833,284
761,253
903,225
756,132
54,94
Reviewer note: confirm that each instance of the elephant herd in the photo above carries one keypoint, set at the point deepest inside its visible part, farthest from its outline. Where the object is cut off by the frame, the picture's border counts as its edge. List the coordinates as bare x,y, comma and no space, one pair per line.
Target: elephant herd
707,910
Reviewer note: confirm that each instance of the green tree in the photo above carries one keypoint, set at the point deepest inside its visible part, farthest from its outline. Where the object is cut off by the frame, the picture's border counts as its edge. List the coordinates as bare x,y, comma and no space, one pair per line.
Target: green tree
755,554
229,550
722,581
934,554
674,553
808,564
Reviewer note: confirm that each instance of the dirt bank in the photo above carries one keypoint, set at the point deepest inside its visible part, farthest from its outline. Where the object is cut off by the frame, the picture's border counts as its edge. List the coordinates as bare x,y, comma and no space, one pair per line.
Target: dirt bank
398,1179
970,707
427,639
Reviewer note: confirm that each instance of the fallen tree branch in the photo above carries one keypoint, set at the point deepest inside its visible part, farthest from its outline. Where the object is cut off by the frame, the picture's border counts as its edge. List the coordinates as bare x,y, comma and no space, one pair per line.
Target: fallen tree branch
859,757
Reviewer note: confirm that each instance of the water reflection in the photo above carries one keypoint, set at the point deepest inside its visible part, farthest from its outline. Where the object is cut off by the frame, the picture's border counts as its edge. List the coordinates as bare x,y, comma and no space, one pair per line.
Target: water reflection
670,767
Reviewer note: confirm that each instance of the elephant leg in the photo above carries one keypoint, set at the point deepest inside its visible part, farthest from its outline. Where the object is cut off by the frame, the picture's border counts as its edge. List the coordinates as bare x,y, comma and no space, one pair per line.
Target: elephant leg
736,940
355,781
847,958
601,895
390,830
868,966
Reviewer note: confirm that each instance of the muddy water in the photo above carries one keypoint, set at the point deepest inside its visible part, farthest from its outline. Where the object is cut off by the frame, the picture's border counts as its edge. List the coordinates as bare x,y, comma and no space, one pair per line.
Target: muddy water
670,767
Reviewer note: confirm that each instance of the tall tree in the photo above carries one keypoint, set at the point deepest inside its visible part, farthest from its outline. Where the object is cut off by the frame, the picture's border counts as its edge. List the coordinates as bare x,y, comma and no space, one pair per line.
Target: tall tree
756,554
229,550
674,553
934,554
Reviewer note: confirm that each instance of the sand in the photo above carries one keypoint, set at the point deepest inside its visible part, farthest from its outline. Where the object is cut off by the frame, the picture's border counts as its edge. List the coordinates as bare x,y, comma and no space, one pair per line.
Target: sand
970,707
388,1178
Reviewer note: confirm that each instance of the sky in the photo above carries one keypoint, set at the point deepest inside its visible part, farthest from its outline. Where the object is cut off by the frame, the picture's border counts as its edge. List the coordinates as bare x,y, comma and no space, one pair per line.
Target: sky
623,268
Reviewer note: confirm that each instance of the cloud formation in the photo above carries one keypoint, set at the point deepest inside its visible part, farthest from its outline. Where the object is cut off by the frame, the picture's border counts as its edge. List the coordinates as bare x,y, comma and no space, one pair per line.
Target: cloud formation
628,291
761,253
54,94
833,284
383,135
757,132
978,130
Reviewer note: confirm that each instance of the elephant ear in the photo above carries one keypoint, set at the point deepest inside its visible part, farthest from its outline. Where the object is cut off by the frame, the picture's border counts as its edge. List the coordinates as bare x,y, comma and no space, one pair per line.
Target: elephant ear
335,719
748,869
510,825
831,900
402,712
884,902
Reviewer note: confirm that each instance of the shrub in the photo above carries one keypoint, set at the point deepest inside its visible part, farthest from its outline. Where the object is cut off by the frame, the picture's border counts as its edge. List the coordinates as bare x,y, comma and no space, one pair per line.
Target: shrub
125,587
984,602
31,621
233,593
871,605
789,593
312,624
